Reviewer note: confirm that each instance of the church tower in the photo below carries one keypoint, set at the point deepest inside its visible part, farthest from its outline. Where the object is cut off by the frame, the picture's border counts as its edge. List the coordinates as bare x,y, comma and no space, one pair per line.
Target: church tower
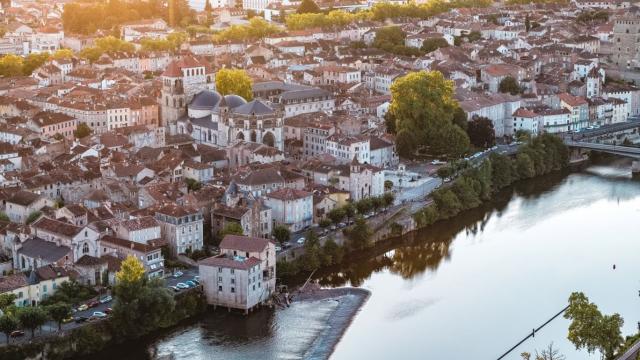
173,102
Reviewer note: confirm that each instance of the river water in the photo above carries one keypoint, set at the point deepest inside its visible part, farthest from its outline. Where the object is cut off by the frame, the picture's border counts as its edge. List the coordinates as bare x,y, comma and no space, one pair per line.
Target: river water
467,288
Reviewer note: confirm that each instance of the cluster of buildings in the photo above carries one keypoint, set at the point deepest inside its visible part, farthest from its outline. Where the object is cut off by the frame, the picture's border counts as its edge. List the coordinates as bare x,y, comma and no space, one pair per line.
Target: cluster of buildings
169,162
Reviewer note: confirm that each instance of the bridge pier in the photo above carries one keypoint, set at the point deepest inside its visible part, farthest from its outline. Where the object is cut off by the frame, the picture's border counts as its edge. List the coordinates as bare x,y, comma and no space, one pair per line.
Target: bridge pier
635,168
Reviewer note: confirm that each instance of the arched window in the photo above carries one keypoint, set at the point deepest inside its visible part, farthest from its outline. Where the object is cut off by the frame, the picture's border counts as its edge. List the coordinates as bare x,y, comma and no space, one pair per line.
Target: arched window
85,248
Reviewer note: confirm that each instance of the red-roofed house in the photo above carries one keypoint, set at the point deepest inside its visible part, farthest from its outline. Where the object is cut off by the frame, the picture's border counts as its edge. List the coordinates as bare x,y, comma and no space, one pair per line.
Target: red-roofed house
243,275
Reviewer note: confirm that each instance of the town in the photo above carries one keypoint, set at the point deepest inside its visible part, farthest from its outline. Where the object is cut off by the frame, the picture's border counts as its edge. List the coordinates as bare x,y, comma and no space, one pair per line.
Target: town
150,150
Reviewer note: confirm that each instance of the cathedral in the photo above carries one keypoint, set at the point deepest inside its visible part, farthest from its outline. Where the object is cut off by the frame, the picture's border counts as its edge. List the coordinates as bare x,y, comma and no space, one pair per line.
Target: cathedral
181,81
222,121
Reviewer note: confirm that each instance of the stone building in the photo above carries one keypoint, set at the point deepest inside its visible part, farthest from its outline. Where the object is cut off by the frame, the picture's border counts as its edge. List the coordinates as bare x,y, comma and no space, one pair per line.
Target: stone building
242,276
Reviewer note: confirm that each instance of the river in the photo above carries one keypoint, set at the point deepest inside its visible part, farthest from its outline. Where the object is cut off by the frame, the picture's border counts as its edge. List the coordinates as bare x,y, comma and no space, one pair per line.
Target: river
467,288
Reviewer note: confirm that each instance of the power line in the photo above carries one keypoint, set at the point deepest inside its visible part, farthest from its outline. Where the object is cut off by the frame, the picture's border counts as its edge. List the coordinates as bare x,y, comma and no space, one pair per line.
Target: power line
533,332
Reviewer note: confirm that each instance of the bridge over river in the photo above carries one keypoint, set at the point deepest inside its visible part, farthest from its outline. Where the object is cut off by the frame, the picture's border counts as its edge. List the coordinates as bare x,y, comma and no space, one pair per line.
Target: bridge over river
596,140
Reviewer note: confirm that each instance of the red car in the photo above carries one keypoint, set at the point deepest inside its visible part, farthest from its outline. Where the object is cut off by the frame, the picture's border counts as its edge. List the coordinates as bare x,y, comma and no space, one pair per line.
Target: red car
92,304
108,310
17,333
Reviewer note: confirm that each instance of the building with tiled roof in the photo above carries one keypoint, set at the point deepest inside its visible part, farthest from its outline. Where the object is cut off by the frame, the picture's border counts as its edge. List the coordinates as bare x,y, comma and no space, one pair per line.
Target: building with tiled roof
242,276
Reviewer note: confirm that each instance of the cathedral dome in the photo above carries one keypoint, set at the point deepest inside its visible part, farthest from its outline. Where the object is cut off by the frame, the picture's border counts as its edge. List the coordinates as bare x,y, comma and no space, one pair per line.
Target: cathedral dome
205,100
233,101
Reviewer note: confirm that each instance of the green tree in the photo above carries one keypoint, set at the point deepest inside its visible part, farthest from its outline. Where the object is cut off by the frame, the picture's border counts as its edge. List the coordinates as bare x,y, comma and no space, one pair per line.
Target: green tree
281,233
325,223
234,81
33,217
447,203
525,166
502,171
308,7
388,185
359,235
460,118
92,54
376,203
423,106
58,312
232,228
141,305
61,54
481,132
82,130
4,217
590,329
349,211
193,184
388,199
332,253
32,318
433,44
445,172
8,324
34,61
364,206
6,300
474,36
311,259
509,85
70,292
405,144
336,215
11,65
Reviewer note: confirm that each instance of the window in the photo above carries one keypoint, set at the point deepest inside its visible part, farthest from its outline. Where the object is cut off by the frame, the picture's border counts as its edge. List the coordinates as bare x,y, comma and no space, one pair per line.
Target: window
232,271
85,248
233,281
233,289
220,288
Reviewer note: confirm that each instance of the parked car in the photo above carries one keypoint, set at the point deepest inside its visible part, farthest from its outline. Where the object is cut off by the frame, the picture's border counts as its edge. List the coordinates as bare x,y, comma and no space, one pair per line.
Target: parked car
278,248
190,283
83,307
106,299
341,225
182,286
333,227
108,310
177,274
93,303
17,333
197,278
67,320
174,288
286,245
301,240
99,314
81,319
196,281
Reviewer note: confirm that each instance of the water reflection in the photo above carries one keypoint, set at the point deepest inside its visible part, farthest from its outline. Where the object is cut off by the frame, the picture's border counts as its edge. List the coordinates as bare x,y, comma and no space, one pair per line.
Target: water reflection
481,278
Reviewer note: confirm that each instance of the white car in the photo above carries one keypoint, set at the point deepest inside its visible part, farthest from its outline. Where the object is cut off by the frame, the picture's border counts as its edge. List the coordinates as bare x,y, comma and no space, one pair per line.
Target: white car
182,286
99,314
301,240
178,274
278,248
